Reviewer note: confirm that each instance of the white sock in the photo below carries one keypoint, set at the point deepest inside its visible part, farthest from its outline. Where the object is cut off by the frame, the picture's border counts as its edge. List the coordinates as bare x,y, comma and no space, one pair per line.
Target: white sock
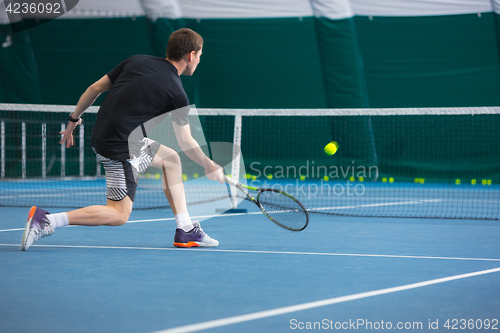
58,220
184,221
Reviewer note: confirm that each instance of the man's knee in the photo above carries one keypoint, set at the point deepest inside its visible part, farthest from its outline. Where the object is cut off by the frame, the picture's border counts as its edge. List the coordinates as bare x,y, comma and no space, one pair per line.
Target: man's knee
172,160
120,218
121,211
167,158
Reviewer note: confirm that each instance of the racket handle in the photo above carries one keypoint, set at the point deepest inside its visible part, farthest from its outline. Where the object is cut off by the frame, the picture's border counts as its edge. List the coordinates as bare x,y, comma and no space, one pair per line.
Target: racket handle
230,181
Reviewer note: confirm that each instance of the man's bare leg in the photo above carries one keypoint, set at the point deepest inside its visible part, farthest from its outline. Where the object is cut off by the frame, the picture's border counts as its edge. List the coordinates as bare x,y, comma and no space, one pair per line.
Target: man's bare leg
188,233
115,213
40,223
169,162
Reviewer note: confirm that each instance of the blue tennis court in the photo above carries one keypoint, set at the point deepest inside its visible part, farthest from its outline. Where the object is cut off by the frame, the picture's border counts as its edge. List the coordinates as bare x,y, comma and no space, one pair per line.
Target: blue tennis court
371,128
339,273
411,246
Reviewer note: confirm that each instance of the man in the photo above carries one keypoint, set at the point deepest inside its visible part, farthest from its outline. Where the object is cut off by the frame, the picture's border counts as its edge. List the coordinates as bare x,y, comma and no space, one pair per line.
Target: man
140,89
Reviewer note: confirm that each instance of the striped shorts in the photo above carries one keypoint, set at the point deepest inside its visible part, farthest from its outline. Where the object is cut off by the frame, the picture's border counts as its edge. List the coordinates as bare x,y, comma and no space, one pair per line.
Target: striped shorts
121,176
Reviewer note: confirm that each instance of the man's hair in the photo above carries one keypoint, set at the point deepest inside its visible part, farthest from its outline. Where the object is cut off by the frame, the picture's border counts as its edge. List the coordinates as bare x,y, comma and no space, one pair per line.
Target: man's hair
182,42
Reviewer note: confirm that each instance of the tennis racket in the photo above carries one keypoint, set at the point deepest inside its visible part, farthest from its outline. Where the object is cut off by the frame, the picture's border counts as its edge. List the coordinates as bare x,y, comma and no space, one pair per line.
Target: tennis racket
278,206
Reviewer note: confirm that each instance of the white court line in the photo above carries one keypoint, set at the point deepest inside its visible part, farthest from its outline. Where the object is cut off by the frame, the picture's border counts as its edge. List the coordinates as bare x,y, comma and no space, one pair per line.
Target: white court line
11,229
316,304
164,219
251,251
196,217
377,205
252,213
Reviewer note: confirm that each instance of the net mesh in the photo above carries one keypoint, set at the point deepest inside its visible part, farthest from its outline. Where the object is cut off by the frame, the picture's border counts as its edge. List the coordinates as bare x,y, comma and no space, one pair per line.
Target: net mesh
435,163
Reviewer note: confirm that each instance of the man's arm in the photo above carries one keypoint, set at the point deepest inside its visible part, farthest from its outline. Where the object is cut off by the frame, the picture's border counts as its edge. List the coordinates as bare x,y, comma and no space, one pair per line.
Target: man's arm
192,149
86,100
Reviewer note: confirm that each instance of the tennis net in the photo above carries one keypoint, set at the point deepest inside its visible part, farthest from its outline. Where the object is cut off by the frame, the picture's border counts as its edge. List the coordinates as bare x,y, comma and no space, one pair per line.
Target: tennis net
421,162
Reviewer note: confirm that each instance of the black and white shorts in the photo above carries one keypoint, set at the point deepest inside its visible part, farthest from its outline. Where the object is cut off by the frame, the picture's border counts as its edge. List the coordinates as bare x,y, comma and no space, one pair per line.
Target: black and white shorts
121,176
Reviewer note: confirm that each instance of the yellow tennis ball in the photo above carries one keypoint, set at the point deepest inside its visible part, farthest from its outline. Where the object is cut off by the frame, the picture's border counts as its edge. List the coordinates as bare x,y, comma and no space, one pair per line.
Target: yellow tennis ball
488,182
384,180
157,176
196,175
351,179
326,178
391,180
254,177
184,177
302,177
148,175
457,181
331,148
269,176
483,181
473,182
248,176
361,179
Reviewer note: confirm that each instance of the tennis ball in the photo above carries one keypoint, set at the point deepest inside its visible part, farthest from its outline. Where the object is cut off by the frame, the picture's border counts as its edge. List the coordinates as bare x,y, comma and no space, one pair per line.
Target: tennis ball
157,176
326,178
488,182
254,177
483,181
248,176
391,180
196,175
148,175
457,181
384,180
302,177
351,179
473,182
361,179
269,176
331,148
184,177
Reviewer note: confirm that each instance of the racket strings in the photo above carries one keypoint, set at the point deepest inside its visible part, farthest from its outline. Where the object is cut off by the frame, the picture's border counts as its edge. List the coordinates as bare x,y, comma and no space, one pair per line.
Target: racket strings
284,210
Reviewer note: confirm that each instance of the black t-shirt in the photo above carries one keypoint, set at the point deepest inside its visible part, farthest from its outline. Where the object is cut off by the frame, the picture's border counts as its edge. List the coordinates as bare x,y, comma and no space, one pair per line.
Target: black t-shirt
143,87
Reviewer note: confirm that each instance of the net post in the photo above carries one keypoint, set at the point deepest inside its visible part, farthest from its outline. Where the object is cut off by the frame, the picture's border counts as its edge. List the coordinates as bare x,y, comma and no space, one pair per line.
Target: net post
2,134
373,146
82,150
44,150
23,149
235,166
63,154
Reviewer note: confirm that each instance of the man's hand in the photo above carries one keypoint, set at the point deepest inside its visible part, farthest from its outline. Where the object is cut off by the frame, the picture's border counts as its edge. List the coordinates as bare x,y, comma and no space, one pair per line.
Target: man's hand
215,172
67,134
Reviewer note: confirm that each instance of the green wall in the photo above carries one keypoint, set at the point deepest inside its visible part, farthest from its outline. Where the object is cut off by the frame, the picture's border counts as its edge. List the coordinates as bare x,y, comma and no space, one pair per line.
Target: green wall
273,63
430,61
